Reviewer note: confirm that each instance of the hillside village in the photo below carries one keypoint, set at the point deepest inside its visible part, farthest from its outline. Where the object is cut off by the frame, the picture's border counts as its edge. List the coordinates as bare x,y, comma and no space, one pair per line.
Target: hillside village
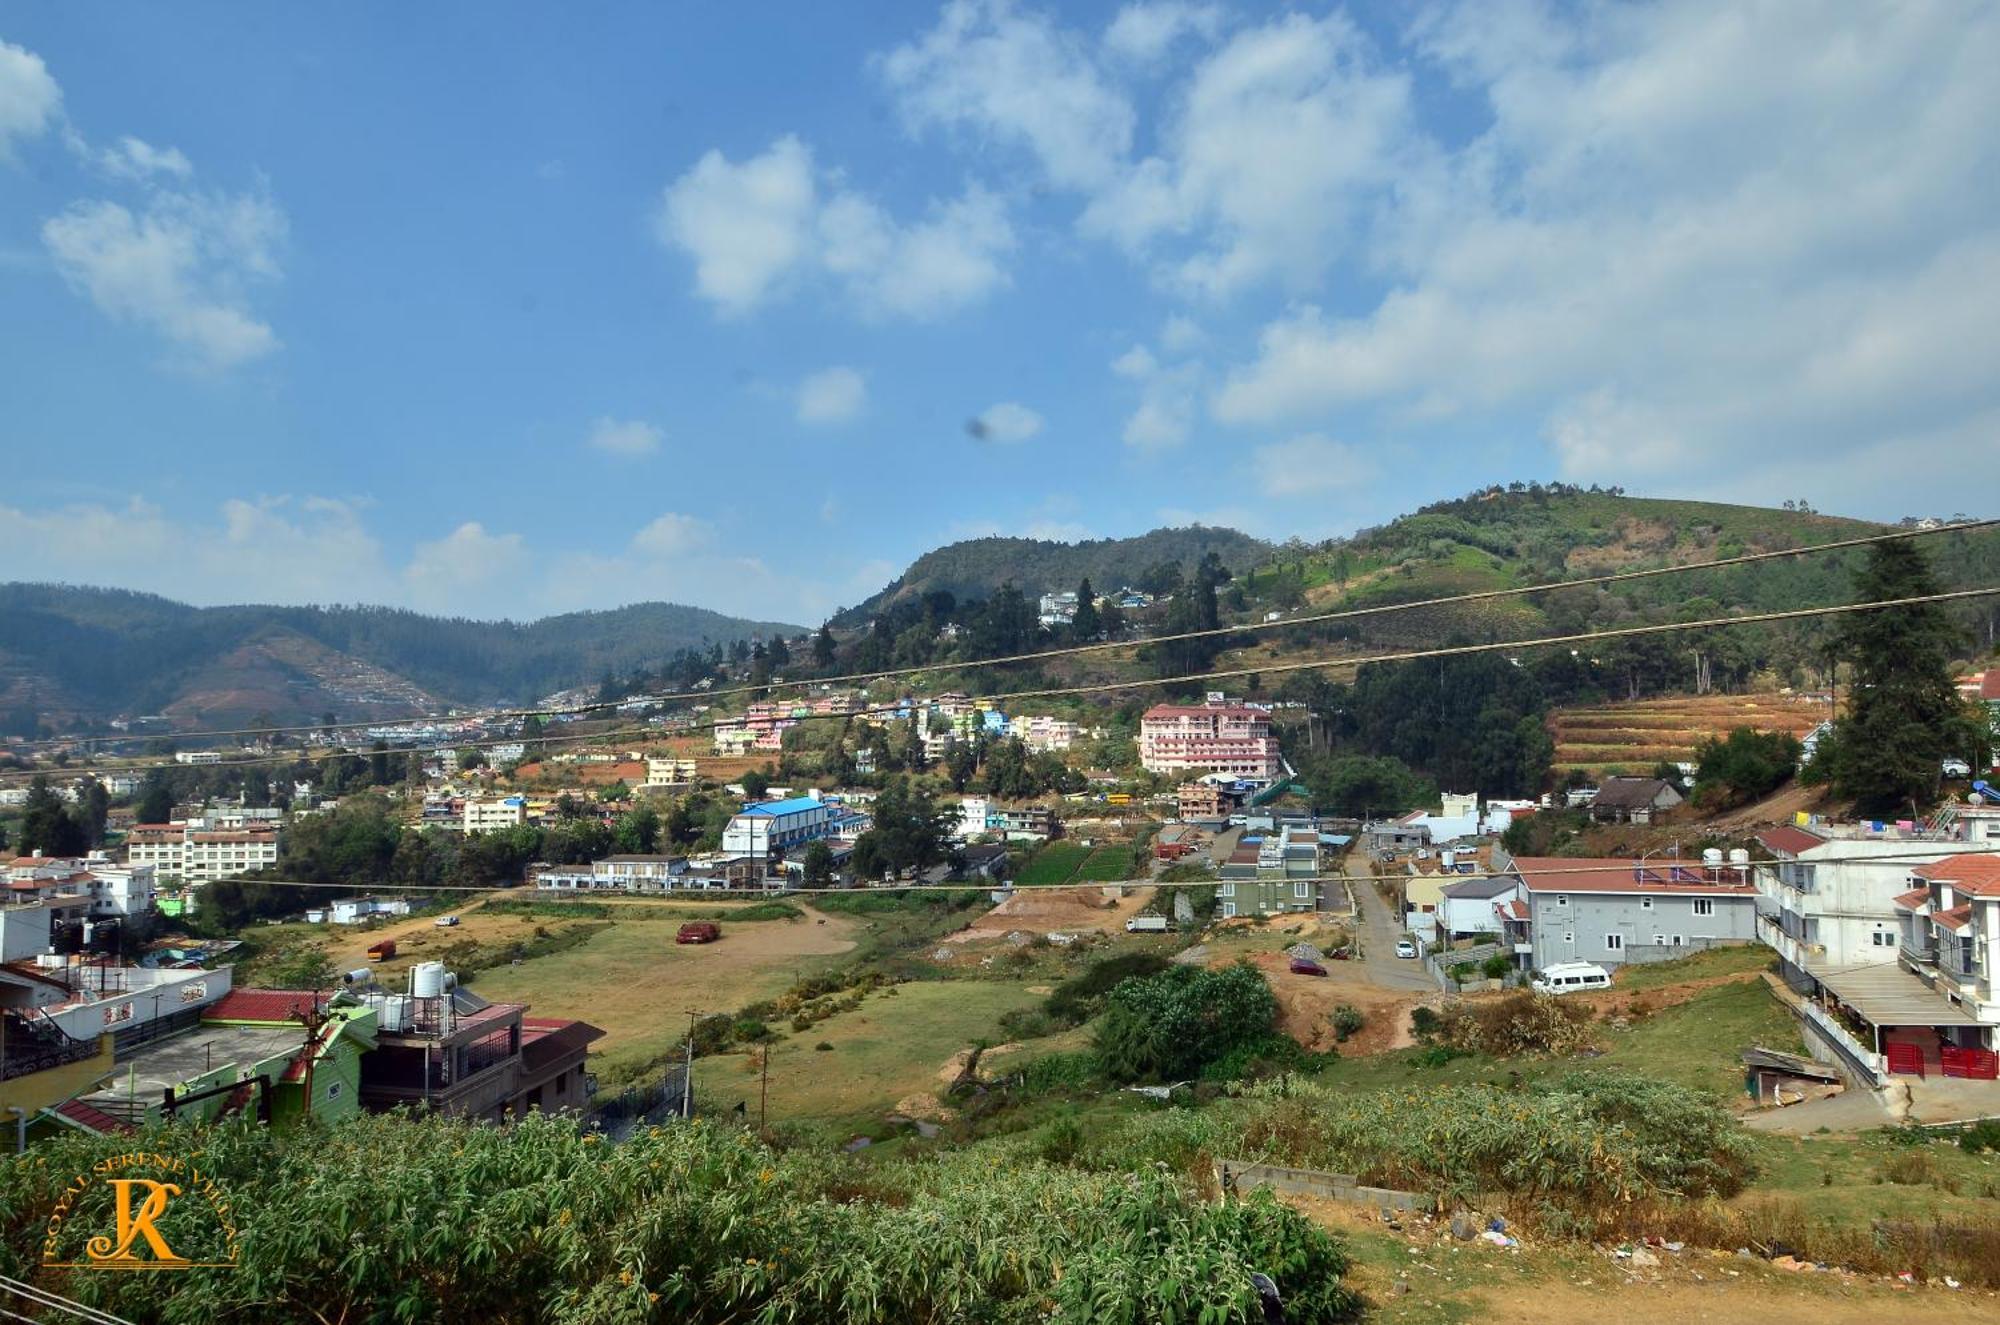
902,912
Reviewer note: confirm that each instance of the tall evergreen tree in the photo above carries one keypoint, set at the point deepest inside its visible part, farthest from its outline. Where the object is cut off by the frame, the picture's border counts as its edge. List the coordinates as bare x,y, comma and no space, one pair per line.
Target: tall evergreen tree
1087,623
1903,715
823,654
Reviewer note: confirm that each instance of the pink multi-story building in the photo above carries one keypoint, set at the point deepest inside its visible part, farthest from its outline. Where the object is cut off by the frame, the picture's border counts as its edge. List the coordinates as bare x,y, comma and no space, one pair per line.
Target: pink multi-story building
1219,736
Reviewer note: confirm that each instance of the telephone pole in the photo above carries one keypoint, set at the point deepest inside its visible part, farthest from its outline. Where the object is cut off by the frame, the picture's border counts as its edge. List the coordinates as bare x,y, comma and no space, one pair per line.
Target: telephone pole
687,1074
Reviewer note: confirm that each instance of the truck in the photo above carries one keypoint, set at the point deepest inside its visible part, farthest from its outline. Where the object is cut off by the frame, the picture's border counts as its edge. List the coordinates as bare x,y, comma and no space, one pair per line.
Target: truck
699,931
1146,925
383,951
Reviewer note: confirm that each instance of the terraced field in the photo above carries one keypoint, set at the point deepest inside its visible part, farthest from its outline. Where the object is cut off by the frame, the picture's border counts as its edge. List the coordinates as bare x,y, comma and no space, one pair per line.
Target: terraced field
1632,737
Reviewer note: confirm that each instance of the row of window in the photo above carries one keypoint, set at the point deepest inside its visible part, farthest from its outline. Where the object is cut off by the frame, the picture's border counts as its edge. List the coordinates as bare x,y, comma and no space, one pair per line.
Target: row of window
1703,906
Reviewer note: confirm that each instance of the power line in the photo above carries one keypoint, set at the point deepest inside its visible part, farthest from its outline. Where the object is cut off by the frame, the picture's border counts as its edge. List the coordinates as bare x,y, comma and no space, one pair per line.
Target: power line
1102,687
1343,614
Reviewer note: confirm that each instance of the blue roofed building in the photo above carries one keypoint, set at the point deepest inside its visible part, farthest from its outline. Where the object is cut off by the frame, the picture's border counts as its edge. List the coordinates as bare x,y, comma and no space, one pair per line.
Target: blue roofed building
773,828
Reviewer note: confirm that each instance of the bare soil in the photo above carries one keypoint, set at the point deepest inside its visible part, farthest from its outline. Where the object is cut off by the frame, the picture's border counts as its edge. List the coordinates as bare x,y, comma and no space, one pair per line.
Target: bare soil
1059,910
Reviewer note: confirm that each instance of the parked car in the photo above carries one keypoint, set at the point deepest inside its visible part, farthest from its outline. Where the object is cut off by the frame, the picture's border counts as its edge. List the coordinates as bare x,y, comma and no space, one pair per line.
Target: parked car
1956,768
699,931
1300,966
446,922
1406,948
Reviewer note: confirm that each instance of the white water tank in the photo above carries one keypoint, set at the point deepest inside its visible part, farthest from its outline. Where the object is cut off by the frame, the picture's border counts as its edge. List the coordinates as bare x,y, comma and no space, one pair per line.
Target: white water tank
427,980
1711,858
1739,856
393,1013
1449,859
360,975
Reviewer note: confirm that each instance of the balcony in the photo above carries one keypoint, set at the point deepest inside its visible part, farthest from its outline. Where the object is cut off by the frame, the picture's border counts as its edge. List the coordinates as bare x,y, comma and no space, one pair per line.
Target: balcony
1796,951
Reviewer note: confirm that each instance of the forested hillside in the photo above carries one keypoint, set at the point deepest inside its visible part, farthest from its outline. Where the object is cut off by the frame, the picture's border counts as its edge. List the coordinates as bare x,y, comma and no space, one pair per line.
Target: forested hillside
67,650
975,568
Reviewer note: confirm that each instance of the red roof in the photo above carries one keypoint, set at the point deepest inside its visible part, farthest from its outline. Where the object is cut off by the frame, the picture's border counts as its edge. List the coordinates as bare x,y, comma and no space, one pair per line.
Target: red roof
1563,874
547,1040
1956,918
1913,899
1513,908
1202,710
1989,683
1978,875
96,1120
266,1005
1789,840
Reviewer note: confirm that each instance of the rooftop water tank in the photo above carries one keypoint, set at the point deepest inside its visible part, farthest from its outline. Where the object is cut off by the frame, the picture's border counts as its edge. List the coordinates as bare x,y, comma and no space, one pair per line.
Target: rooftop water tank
1711,857
360,975
427,980
1739,856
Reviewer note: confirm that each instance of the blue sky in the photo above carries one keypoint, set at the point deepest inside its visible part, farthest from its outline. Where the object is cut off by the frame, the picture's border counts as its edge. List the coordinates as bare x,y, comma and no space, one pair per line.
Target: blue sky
505,310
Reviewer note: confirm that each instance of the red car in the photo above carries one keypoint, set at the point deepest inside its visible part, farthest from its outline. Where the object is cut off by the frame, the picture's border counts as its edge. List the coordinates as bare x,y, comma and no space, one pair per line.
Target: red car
699,931
1300,966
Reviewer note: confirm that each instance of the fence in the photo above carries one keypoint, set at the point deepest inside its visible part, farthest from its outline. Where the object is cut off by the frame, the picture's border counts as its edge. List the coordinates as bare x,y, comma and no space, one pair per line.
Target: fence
1236,1175
617,1116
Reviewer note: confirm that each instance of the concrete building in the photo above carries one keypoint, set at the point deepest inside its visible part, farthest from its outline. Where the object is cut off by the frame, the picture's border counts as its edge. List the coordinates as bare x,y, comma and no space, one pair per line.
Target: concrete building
1632,800
775,827
1830,893
1217,737
1042,734
197,851
486,814
1617,911
669,772
1474,905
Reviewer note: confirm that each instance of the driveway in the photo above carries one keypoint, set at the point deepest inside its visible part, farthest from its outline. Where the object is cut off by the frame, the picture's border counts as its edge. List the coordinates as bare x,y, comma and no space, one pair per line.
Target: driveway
1378,931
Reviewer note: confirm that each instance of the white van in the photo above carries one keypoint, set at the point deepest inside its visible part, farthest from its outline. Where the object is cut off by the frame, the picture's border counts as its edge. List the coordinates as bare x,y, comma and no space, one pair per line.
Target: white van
1571,978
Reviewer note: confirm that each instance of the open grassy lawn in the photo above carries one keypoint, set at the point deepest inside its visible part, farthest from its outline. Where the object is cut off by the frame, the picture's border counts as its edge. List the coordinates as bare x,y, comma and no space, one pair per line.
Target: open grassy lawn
1106,864
1699,966
1054,863
631,979
1699,1042
893,1046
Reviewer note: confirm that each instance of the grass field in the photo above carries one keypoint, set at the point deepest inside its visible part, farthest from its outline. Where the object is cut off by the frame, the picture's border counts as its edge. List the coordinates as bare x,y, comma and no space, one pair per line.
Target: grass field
891,1047
1054,863
632,980
1106,864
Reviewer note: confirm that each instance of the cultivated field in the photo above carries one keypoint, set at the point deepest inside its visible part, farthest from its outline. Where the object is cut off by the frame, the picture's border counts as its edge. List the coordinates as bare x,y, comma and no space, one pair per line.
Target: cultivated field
1635,736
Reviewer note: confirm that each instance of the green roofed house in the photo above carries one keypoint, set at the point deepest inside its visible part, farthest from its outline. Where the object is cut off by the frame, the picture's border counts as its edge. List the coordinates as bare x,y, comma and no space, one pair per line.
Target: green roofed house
292,1052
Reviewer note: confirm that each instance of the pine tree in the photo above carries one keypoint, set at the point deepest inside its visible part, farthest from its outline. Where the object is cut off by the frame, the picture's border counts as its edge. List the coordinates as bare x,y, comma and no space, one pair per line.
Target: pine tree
823,654
1903,713
1086,624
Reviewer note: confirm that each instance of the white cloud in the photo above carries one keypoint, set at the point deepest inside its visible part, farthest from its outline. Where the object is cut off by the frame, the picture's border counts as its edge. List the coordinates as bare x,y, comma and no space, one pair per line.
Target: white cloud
1179,334
758,228
673,535
1308,465
29,98
1676,256
1007,422
182,266
999,72
832,395
1283,140
748,226
1143,34
134,158
630,438
468,559
1136,363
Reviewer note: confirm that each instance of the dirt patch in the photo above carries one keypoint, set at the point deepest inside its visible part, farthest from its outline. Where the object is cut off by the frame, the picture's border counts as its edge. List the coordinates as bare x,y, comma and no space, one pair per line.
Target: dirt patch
955,1065
1306,1004
1064,910
1658,999
922,1105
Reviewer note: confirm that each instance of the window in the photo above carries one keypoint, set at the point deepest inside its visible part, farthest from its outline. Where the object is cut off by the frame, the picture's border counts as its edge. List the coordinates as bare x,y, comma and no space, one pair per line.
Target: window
1645,903
1569,938
1561,900
1704,906
1225,890
1302,891
1614,942
1882,938
1229,910
1659,940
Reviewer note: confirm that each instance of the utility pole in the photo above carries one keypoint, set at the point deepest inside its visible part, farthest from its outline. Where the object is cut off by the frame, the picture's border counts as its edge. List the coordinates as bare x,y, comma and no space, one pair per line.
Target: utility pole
687,1074
763,1084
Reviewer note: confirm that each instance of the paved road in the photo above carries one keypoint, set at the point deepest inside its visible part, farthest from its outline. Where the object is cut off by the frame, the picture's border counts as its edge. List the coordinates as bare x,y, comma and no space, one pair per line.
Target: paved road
1379,932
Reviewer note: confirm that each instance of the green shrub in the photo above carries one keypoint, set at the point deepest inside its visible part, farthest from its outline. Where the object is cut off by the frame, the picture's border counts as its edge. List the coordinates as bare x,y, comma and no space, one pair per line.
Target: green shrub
1497,967
1171,1025
1076,1070
1347,1022
1982,1135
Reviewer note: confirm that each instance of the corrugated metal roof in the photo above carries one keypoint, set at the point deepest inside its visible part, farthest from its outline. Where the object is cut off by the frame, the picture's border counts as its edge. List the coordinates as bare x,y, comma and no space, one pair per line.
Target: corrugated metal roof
796,805
1790,840
1888,995
267,1006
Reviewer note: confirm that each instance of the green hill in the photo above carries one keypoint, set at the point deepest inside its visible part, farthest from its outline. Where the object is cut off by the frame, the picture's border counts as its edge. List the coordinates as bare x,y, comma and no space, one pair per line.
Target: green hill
976,567
72,651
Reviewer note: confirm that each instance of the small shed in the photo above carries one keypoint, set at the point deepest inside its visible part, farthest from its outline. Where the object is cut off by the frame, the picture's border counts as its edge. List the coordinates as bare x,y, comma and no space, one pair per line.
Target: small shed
1775,1078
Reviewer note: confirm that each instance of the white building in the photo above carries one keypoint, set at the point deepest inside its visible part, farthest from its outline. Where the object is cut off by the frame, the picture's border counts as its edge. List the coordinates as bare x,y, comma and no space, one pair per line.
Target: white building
485,814
198,757
1830,894
669,772
774,827
354,910
195,851
1217,736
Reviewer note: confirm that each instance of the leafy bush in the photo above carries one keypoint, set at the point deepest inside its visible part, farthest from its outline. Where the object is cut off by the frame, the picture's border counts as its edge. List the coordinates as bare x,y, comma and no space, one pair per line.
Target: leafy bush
1173,1024
1982,1135
1076,1070
1081,997
1497,967
1425,1024
411,1220
1347,1022
1521,1023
